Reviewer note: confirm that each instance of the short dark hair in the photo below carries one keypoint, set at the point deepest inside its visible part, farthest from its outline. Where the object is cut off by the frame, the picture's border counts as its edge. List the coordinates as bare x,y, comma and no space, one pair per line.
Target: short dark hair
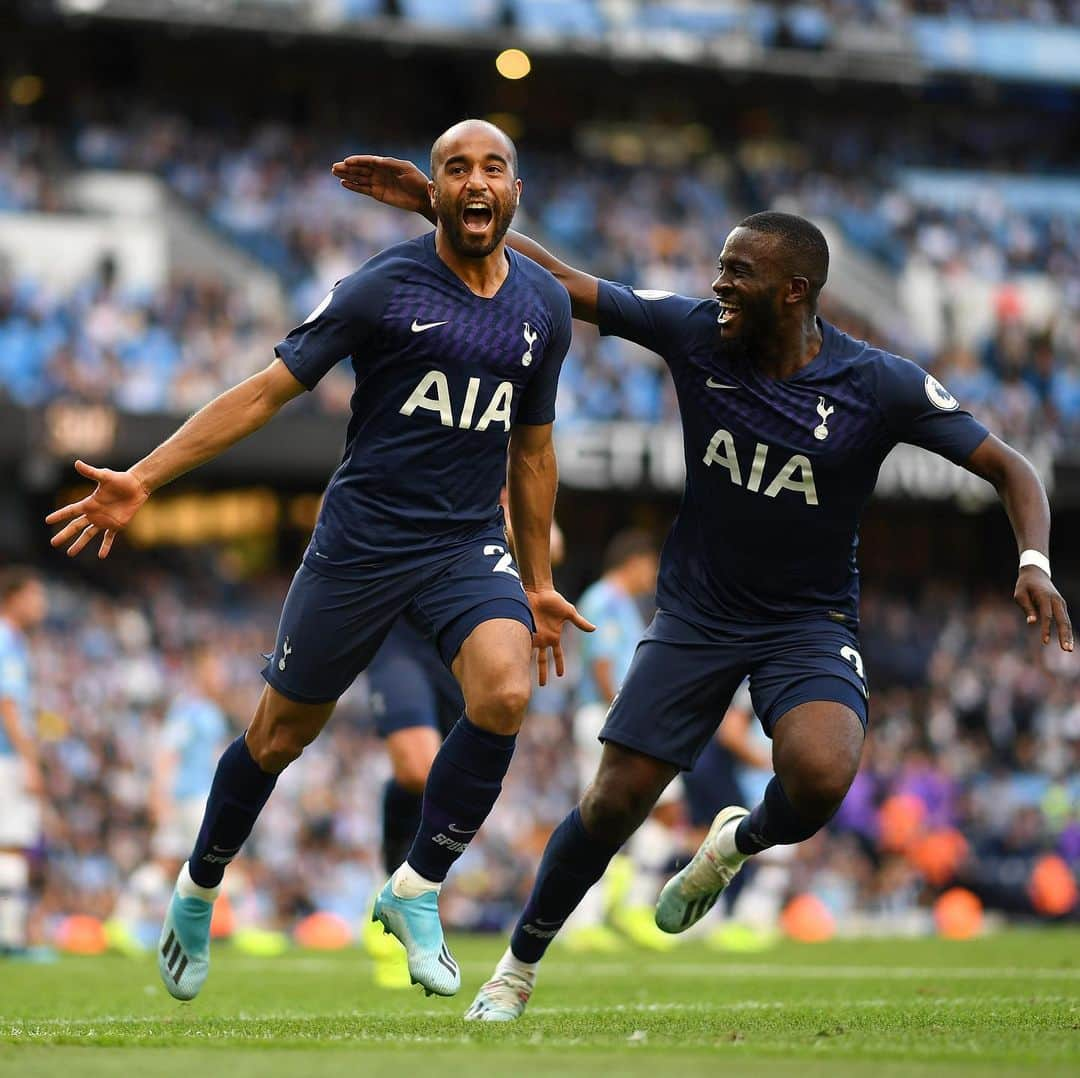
13,578
632,543
804,245
436,146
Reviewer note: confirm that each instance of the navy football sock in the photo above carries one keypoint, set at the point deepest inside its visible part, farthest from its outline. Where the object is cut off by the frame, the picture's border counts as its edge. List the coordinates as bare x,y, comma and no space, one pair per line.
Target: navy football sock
400,820
465,779
239,791
571,864
774,822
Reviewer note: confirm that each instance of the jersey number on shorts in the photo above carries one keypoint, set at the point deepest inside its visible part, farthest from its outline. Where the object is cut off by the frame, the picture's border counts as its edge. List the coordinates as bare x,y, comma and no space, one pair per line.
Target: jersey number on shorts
505,564
853,657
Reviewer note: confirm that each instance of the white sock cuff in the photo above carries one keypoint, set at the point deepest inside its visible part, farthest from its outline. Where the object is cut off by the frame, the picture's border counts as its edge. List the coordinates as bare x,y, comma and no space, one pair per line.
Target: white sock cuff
188,888
511,962
406,882
725,839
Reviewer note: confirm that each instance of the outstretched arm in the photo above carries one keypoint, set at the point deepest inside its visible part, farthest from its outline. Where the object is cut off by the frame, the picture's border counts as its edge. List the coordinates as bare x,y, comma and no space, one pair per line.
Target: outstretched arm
1024,497
401,184
220,424
531,479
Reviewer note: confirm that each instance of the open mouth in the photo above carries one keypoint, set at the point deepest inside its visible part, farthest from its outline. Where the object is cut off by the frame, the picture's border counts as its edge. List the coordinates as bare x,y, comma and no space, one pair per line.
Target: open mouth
477,216
728,311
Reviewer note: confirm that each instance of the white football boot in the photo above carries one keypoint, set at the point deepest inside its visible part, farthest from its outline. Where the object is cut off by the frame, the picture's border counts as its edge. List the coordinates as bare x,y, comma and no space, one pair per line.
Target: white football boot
690,894
502,999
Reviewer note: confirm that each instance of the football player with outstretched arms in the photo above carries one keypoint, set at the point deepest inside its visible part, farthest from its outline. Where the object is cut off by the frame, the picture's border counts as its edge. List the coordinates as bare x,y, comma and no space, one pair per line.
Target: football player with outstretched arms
456,344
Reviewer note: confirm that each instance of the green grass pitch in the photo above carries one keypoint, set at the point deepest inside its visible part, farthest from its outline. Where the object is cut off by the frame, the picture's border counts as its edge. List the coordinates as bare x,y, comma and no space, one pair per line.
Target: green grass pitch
1005,1005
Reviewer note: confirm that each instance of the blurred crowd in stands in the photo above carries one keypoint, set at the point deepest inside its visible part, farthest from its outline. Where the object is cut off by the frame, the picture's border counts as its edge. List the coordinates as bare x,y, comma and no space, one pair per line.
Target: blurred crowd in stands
971,772
271,194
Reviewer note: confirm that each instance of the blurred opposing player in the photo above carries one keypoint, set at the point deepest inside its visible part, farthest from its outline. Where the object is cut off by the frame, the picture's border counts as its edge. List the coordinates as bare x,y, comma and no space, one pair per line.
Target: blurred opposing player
611,604
22,606
456,344
786,422
192,738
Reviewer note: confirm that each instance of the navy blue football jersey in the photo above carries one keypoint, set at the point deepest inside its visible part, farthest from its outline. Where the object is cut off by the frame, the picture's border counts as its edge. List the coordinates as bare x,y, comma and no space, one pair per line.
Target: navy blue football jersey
441,376
778,471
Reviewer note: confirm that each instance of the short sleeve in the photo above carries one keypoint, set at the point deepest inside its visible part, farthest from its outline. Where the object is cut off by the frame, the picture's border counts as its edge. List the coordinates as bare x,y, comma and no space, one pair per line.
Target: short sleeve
604,642
12,675
654,319
538,402
919,410
339,326
174,730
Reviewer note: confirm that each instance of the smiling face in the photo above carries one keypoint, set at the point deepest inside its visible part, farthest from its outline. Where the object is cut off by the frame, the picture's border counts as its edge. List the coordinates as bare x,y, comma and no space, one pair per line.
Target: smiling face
753,285
474,189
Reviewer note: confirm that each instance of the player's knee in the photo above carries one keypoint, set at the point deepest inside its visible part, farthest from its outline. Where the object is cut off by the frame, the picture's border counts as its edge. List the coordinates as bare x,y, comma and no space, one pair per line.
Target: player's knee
501,706
612,812
818,787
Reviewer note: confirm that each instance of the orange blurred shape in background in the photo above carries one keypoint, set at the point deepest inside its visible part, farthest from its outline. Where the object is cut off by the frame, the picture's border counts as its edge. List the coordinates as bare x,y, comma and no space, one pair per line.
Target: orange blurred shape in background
81,934
223,919
938,855
323,932
958,914
1052,887
899,820
807,919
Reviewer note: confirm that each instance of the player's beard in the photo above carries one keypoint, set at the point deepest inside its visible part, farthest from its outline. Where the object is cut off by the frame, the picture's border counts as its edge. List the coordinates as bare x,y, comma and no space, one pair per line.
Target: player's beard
757,318
470,244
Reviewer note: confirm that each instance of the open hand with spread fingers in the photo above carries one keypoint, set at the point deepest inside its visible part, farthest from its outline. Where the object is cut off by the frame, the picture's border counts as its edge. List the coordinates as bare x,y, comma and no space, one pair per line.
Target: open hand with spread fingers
550,611
386,179
106,510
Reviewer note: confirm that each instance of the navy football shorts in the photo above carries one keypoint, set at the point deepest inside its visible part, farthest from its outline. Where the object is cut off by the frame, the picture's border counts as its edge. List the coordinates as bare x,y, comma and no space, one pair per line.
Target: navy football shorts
682,679
411,686
330,628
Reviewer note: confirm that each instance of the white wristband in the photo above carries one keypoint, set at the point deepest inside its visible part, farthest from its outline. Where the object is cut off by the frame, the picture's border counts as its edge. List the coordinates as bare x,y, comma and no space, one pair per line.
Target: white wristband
1036,558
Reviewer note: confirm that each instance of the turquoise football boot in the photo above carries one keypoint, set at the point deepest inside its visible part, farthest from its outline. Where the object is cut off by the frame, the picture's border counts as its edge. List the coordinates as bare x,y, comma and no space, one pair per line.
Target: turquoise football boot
184,948
415,922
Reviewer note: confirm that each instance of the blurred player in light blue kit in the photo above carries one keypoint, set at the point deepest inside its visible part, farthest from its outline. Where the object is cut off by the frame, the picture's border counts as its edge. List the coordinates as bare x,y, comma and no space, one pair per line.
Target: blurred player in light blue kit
22,606
192,736
612,604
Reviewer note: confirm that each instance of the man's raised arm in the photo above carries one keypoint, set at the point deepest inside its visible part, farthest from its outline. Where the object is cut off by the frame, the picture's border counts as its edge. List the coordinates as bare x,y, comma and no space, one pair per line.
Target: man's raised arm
402,185
222,423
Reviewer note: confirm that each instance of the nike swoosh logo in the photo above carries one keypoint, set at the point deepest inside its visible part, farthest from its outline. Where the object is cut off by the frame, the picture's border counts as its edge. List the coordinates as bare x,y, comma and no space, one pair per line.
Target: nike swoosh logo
419,327
462,831
713,384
